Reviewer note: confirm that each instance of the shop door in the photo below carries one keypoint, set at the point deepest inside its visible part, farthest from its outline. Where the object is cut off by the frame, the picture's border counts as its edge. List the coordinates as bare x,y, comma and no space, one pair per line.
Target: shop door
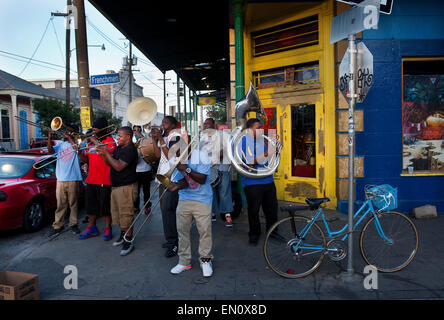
303,152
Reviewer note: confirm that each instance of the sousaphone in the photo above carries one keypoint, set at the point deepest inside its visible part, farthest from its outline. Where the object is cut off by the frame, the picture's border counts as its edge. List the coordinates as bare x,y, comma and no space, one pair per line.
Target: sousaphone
142,111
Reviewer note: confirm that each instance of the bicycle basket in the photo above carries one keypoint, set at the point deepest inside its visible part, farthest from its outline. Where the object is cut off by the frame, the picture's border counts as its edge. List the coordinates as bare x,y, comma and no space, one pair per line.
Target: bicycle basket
383,197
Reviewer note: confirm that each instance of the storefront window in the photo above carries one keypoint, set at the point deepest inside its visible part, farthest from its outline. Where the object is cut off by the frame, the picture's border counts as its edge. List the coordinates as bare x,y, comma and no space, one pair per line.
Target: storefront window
303,137
423,116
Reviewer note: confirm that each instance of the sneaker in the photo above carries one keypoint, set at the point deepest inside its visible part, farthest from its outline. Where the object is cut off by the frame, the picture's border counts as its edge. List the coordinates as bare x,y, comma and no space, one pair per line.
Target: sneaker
228,221
180,268
127,247
90,232
85,220
75,229
207,267
119,241
171,251
54,232
108,234
213,217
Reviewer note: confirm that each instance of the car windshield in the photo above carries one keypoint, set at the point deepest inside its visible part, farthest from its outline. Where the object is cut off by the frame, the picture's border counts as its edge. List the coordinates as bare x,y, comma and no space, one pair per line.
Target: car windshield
11,168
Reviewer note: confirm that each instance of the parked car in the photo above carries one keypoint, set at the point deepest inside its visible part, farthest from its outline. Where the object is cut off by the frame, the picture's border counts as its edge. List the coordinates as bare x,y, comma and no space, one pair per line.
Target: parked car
27,195
42,146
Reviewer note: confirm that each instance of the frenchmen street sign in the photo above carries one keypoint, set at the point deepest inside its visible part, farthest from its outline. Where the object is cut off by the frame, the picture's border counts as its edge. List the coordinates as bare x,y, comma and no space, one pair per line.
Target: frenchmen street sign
103,79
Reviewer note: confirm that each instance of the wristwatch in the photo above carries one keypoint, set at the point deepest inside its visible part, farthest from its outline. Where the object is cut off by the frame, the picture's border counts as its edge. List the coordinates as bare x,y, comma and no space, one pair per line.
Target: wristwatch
188,170
163,145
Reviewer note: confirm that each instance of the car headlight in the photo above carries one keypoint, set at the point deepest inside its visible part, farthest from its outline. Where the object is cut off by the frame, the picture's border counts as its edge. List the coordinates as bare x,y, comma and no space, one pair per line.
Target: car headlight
3,196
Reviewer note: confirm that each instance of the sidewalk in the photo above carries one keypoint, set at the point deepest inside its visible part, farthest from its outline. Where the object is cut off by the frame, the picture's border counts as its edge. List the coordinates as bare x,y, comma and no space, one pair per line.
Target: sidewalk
240,271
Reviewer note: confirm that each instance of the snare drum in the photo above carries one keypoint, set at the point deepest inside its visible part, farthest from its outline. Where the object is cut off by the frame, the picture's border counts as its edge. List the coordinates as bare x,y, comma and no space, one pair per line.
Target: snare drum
214,176
146,150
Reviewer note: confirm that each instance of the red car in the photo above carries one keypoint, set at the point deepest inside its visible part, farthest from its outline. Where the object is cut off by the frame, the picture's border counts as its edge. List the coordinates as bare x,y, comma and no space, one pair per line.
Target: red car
26,194
42,146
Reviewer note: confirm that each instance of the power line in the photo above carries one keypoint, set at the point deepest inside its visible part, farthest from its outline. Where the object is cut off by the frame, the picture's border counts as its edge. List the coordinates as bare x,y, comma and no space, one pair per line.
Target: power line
3,55
41,39
57,37
30,59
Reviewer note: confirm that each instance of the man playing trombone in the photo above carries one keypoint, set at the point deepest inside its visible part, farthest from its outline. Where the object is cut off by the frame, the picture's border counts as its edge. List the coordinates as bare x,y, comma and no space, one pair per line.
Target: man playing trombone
123,163
68,176
98,189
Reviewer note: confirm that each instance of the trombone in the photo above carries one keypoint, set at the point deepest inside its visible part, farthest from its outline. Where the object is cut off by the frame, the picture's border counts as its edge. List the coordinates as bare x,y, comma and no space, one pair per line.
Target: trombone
165,179
108,145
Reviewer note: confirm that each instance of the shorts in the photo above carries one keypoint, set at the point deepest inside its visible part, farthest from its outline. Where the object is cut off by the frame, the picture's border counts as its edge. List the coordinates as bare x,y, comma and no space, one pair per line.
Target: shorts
122,205
98,198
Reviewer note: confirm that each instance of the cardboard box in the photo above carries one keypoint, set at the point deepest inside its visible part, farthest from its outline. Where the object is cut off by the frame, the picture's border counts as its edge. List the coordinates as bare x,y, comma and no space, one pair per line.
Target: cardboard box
18,286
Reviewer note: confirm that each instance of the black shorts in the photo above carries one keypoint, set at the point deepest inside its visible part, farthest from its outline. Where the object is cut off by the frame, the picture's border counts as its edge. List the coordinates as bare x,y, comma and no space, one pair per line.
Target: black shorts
98,200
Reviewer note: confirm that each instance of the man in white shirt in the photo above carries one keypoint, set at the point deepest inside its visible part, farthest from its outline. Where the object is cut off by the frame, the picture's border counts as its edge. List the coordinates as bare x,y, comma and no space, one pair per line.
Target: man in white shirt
144,175
168,203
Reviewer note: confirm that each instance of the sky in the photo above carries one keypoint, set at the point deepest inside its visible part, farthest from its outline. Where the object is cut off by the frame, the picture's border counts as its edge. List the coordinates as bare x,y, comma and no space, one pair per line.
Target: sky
27,30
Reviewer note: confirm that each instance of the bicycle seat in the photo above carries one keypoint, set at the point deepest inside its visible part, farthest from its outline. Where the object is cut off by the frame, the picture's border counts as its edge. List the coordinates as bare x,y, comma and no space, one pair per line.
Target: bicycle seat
292,209
314,203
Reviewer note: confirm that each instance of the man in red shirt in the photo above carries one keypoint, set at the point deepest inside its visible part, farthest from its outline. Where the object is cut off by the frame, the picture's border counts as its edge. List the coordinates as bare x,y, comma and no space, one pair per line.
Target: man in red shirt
98,189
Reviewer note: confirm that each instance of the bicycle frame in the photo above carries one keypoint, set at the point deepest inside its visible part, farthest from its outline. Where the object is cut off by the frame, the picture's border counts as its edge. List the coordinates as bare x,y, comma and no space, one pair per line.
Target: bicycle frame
331,234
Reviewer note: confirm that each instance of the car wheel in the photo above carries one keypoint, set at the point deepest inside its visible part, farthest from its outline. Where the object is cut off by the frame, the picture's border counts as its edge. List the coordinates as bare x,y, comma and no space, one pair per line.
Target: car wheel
33,216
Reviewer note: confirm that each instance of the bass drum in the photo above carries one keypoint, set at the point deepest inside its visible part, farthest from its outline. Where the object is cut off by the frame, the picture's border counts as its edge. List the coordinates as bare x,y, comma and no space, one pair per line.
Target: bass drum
146,150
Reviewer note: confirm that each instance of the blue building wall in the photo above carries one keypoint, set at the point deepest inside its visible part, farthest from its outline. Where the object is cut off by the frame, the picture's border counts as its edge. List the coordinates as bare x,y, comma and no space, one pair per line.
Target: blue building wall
415,28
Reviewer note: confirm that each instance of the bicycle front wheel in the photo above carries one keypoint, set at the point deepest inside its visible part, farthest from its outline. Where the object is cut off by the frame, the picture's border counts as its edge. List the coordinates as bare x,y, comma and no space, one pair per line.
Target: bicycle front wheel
397,250
292,253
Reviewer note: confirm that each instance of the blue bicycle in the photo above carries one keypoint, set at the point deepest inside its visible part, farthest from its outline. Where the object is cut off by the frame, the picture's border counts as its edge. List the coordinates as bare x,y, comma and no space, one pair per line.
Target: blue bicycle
296,245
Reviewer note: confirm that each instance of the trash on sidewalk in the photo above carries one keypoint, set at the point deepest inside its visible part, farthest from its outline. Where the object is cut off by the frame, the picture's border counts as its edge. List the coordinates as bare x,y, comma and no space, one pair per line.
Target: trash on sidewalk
425,212
18,286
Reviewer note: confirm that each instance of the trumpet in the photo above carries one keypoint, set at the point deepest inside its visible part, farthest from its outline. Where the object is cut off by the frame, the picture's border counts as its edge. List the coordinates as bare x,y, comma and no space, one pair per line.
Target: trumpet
165,179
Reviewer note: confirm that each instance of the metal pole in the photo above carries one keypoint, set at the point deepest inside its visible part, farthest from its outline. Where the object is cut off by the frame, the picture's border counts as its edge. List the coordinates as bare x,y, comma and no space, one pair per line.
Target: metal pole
82,64
164,95
191,110
196,127
130,72
178,99
185,106
68,55
351,148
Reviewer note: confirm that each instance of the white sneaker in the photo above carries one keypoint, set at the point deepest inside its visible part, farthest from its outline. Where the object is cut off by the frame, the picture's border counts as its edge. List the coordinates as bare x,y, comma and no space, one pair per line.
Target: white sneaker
207,268
180,268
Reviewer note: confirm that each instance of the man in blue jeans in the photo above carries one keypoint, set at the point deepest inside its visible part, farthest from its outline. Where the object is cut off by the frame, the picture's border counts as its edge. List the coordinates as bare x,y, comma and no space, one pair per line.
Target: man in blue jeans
262,191
213,140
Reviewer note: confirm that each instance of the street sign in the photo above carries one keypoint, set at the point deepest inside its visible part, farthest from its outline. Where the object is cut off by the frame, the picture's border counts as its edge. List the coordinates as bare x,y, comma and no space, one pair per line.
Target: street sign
364,73
104,79
386,5
354,21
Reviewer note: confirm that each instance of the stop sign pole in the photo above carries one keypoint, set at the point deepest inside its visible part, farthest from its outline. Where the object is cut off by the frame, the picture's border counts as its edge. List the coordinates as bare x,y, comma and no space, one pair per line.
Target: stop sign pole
351,147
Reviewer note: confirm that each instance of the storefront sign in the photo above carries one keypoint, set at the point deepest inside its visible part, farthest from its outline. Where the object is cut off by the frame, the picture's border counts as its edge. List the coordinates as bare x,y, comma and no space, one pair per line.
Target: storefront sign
85,118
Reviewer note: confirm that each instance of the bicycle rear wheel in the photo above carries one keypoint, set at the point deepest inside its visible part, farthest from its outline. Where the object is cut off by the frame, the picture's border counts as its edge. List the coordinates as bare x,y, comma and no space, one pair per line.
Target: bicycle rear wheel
288,259
399,251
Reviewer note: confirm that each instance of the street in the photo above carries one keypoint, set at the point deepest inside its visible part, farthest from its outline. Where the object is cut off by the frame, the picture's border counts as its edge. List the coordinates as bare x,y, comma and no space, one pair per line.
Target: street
240,270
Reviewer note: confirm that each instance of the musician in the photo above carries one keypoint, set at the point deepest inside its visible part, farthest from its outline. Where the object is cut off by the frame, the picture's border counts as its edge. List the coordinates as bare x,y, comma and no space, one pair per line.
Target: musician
144,174
195,199
169,201
123,163
222,201
68,176
262,191
98,188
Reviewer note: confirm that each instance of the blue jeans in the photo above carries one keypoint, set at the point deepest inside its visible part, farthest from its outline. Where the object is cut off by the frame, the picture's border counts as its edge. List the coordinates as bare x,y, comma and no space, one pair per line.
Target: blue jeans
222,201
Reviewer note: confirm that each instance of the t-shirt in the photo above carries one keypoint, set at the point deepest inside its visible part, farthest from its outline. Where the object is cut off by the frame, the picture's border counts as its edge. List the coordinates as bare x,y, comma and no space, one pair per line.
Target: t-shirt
164,164
248,149
142,165
198,162
127,175
68,163
98,170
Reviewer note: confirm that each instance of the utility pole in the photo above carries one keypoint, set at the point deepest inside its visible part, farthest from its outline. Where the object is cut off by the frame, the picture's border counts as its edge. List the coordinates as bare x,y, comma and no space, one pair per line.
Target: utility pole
130,73
86,111
68,48
178,100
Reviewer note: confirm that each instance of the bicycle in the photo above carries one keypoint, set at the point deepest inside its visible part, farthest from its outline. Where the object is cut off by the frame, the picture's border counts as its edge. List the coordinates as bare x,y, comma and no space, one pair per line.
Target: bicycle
295,246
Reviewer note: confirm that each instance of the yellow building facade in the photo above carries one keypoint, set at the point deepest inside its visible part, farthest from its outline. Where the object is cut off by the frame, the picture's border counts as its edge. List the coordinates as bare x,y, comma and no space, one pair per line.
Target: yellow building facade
290,61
